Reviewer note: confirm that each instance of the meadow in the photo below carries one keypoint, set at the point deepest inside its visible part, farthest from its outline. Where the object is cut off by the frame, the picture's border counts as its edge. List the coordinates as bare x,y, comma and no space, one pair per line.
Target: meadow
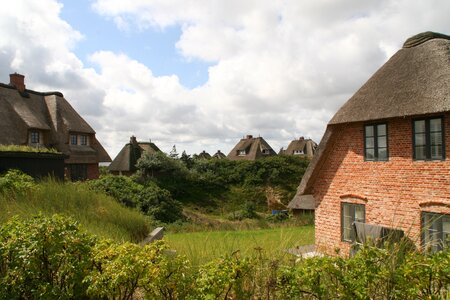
201,247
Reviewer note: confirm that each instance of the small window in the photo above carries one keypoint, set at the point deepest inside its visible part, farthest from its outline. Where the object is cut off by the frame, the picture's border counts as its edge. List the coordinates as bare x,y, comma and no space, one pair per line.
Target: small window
428,137
266,151
351,213
298,152
34,137
73,139
375,142
83,140
435,231
242,153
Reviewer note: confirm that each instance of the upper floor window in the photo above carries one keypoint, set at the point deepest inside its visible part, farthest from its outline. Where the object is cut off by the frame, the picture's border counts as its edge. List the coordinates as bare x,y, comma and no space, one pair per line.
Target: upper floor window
242,153
298,152
266,151
375,142
428,137
351,213
73,139
435,231
34,137
83,139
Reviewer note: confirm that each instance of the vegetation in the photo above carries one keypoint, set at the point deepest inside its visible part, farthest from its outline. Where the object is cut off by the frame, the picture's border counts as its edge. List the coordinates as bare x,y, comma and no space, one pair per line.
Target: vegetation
97,212
19,148
51,257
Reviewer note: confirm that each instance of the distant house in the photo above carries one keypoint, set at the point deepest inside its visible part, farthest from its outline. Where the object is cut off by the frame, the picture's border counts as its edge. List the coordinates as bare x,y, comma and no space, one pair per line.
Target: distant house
250,148
202,155
125,162
219,155
48,120
383,161
301,147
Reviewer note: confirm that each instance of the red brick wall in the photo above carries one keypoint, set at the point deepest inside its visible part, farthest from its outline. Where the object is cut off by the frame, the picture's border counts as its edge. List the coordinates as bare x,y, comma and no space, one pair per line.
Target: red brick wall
394,192
92,171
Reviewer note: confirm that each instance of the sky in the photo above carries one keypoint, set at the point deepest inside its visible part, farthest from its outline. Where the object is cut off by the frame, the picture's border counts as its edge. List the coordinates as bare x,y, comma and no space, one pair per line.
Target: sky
202,74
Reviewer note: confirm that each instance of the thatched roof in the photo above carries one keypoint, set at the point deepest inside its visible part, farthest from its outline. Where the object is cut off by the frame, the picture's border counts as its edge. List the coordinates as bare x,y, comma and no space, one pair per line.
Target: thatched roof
305,202
203,155
415,81
219,155
127,158
302,147
250,148
22,110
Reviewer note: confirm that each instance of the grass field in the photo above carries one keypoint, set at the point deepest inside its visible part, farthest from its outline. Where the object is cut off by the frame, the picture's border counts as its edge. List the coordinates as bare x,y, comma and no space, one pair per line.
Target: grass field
97,213
201,247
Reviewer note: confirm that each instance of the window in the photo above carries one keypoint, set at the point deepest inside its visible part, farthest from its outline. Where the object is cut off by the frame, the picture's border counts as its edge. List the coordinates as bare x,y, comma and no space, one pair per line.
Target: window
351,213
435,231
428,137
78,172
242,153
298,152
375,142
73,139
34,137
83,139
266,151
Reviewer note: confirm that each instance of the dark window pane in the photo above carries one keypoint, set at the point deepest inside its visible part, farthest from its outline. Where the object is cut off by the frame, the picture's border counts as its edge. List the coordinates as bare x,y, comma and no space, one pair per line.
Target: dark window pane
419,126
420,152
73,139
436,138
436,152
370,142
370,154
369,130
435,125
420,139
381,129
382,141
382,154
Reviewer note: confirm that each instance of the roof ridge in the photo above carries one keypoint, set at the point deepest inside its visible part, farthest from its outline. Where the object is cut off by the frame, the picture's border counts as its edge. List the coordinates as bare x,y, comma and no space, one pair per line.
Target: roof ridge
423,37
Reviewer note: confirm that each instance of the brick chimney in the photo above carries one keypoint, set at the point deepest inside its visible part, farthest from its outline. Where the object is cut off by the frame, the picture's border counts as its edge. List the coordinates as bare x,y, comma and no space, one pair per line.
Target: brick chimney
17,81
249,136
133,140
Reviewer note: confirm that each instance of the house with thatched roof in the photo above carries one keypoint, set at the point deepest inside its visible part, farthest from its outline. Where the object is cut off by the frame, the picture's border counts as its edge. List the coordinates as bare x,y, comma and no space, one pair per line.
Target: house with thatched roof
125,162
251,148
383,162
219,155
202,155
301,147
48,120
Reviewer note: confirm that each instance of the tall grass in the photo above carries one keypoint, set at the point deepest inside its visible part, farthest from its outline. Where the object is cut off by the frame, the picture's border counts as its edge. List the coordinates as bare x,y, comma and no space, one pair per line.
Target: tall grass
22,148
201,247
97,213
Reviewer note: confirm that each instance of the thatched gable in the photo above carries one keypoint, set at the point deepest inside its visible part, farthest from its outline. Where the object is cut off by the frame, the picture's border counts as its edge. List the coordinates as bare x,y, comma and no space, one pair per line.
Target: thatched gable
24,110
301,147
415,81
125,161
219,155
250,148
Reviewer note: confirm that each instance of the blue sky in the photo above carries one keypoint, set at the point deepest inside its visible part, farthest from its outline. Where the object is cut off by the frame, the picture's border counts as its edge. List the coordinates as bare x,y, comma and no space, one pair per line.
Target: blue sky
154,47
202,74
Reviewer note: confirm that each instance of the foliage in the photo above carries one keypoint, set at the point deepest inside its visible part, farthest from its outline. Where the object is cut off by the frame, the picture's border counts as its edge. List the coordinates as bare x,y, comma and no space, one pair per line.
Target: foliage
159,204
159,164
22,148
16,181
43,258
122,188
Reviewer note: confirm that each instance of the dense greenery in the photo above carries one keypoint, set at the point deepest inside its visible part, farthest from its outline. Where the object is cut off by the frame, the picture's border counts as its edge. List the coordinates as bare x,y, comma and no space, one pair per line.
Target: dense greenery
19,148
51,257
99,213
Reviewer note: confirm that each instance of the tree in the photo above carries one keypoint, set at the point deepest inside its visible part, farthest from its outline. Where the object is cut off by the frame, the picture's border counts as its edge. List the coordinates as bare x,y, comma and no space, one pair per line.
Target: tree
173,153
187,160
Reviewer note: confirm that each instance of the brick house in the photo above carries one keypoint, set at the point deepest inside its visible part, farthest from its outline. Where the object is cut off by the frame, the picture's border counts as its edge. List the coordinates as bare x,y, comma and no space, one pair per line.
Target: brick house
384,158
47,119
251,148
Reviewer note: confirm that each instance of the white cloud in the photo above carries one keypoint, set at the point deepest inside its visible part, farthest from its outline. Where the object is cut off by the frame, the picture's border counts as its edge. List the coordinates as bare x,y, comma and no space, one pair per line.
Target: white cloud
279,68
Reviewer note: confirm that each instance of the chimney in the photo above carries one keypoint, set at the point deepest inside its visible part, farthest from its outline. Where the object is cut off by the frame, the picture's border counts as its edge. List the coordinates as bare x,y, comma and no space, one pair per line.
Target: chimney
133,140
249,136
17,81
302,138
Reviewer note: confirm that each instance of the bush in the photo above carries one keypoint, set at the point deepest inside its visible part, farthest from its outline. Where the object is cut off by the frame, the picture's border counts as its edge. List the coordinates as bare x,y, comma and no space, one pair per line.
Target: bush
16,181
121,188
43,257
159,204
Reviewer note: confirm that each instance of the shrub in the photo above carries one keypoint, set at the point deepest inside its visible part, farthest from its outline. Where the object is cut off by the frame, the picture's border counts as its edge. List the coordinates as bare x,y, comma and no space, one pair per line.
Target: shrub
16,181
121,188
159,204
43,257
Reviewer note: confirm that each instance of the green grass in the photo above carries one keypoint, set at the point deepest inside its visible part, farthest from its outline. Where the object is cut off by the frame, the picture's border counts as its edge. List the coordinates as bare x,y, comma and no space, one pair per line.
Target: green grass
97,213
20,148
201,247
